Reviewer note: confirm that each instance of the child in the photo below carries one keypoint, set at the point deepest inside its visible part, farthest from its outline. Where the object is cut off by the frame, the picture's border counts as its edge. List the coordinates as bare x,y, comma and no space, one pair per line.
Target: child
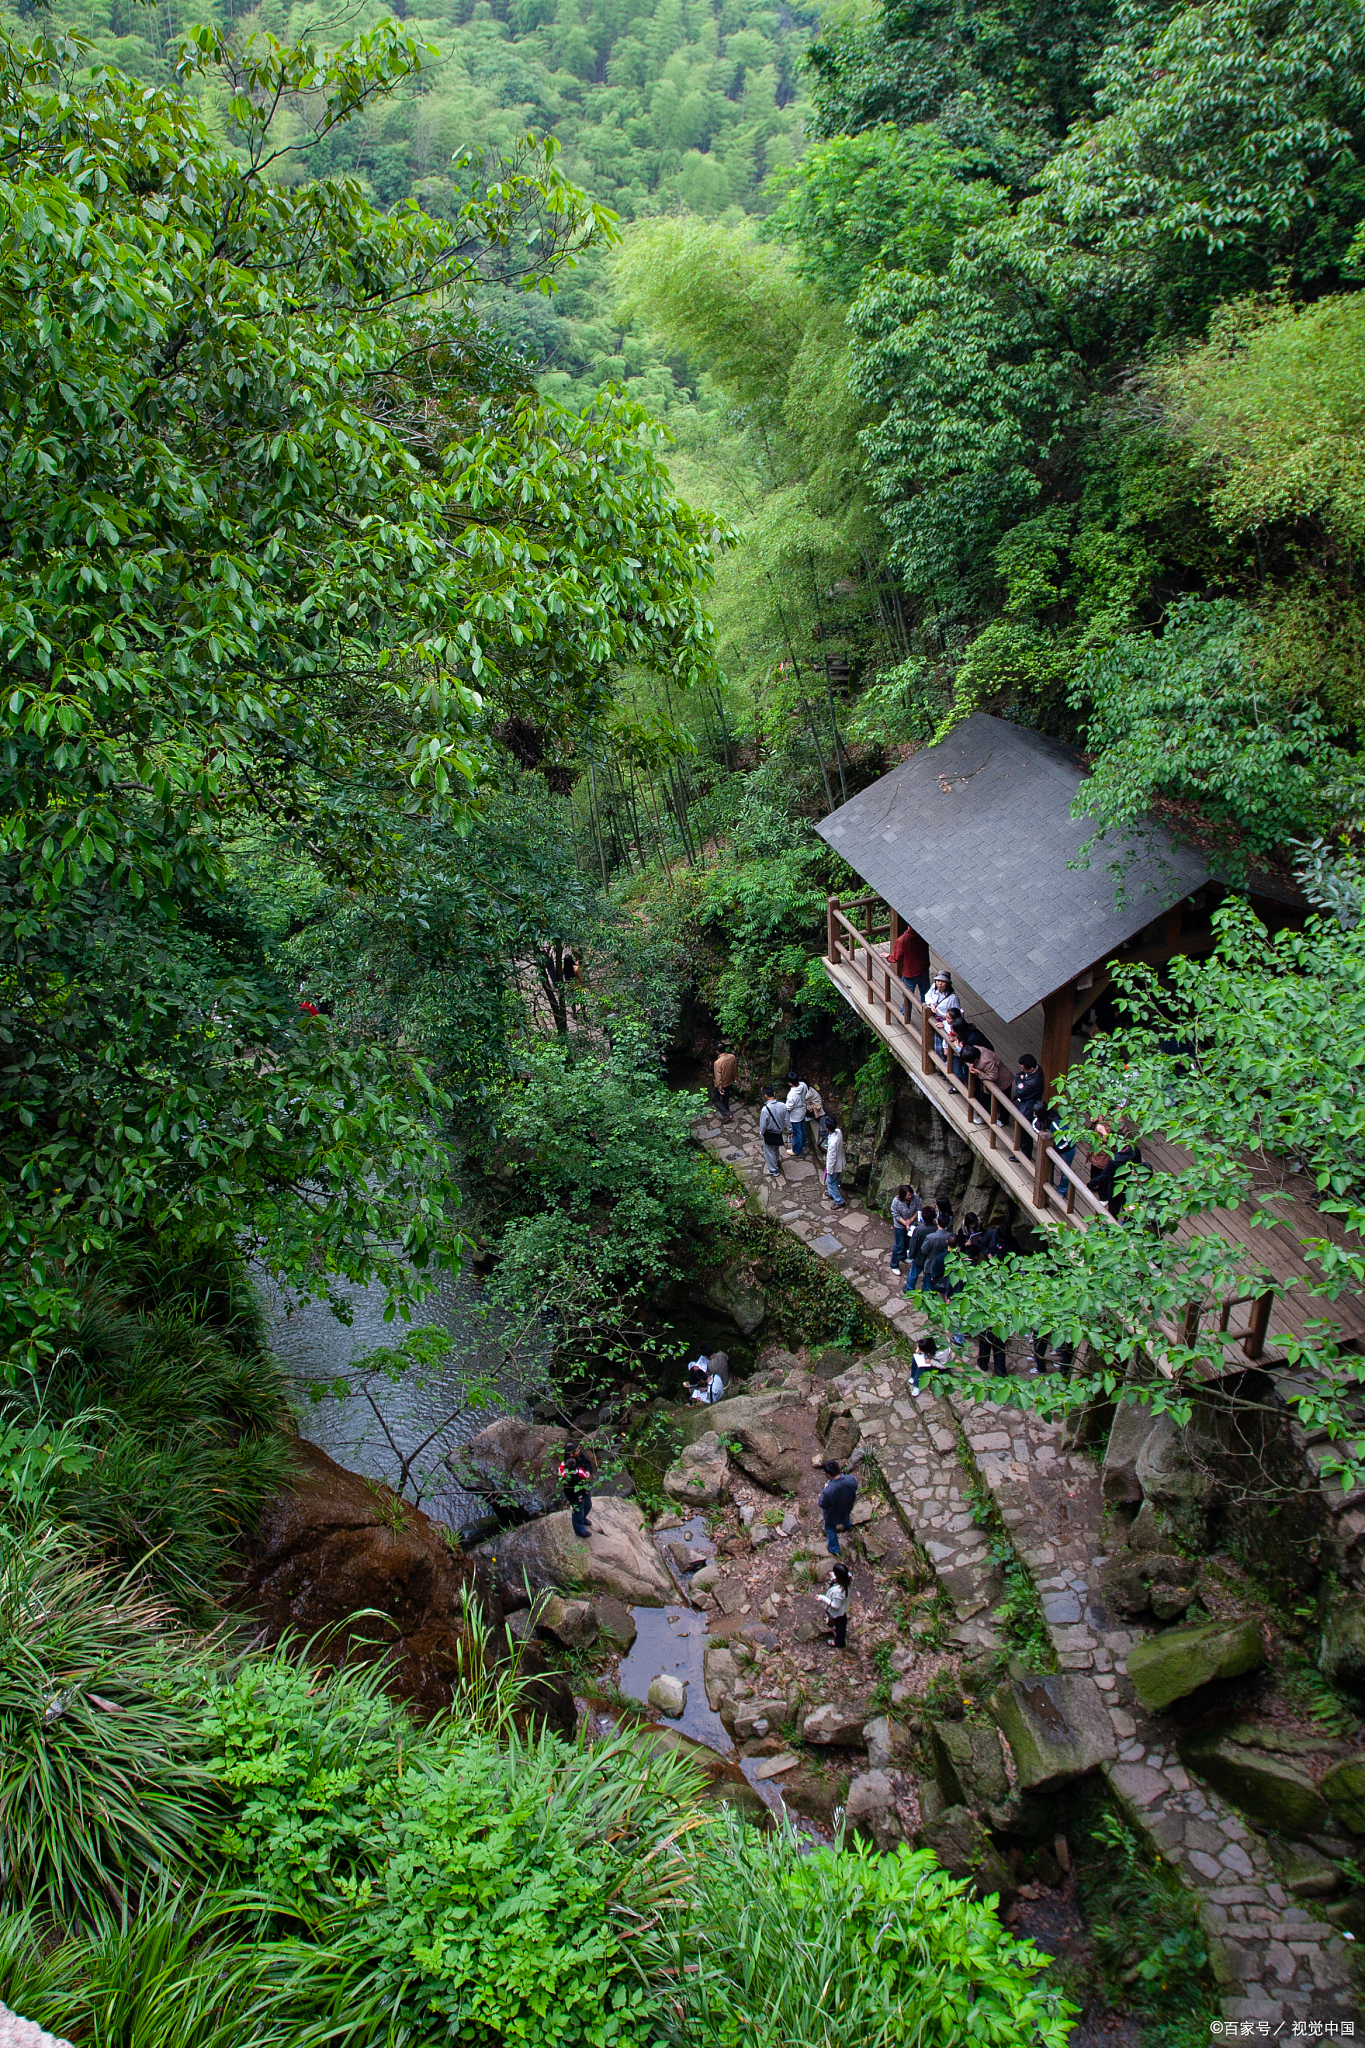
835,1598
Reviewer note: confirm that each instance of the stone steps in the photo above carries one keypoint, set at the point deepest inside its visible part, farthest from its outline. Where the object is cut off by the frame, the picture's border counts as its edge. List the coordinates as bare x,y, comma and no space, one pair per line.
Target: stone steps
1277,1964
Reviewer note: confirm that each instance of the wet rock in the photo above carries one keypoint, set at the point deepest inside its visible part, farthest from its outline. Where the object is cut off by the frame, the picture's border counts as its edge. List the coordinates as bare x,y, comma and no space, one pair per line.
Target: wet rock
618,1557
840,1726
613,1620
570,1623
886,1741
331,1546
1056,1725
736,1295
968,1767
1269,1790
1342,1657
669,1694
1131,1428
771,1450
1176,1663
964,1849
870,1810
513,1462
701,1476
1343,1788
720,1674
707,1579
684,1559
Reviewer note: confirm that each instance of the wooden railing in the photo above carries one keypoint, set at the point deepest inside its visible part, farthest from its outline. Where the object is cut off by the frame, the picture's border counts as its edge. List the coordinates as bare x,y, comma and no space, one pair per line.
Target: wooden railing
854,943
1006,1126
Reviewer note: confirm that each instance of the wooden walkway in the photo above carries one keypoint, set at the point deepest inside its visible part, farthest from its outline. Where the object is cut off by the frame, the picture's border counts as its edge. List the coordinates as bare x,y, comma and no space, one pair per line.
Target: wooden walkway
995,1132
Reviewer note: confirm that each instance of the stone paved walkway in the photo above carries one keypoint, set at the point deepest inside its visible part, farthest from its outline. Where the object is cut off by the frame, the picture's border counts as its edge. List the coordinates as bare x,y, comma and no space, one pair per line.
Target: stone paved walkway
1277,1963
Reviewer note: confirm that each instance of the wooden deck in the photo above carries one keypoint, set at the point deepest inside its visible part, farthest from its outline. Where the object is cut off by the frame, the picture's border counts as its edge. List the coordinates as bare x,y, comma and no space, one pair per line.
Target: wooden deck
858,968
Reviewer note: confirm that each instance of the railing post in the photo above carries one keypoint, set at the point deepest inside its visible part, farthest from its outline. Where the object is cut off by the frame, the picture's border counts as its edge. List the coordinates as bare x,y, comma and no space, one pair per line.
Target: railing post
1042,1168
926,1039
832,941
1253,1344
871,961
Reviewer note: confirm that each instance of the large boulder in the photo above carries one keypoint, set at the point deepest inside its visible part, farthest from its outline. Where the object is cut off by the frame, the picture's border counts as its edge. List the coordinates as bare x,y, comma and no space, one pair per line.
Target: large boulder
870,1810
618,1557
771,1452
964,1849
886,1740
701,1477
720,1674
734,1294
1174,1477
1270,1790
1342,1657
1056,1725
1131,1427
839,1726
968,1767
570,1623
1177,1662
1128,1580
1343,1788
514,1463
339,1555
732,1413
613,1620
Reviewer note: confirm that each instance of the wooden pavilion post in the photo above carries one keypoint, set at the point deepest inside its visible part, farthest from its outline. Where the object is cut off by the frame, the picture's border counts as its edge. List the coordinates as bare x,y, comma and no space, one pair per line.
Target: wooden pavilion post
832,939
1058,1011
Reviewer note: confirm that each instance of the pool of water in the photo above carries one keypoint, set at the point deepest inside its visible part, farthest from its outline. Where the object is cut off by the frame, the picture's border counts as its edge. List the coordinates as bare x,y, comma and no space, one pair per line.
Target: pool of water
424,1412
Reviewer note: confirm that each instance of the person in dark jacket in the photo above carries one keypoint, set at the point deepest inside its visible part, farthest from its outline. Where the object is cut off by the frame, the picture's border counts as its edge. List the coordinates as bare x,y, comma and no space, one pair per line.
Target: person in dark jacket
931,1255
836,1502
1030,1085
577,1470
1106,1166
919,1230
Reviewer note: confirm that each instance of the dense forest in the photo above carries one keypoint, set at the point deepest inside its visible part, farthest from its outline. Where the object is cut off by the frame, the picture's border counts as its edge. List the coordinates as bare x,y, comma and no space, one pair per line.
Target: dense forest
478,486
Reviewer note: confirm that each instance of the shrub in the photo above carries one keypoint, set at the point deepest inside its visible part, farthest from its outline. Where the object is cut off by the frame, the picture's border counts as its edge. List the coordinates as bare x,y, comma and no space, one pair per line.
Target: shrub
102,1791
499,1885
780,1949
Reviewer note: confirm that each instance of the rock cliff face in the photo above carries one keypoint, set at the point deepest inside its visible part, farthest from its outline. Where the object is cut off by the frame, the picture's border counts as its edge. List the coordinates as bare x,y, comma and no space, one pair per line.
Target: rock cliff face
340,1557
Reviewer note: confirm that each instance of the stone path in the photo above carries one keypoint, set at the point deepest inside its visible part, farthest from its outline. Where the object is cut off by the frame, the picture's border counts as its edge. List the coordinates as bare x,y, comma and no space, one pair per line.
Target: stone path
1277,1964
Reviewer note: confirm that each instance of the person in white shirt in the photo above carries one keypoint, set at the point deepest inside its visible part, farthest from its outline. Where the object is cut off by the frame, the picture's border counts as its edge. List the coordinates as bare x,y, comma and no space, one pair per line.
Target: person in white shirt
835,1600
925,1360
798,1095
773,1127
714,1373
942,1001
834,1163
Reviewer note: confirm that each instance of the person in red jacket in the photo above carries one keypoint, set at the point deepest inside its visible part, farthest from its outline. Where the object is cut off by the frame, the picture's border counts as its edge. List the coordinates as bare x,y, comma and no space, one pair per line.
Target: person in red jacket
910,958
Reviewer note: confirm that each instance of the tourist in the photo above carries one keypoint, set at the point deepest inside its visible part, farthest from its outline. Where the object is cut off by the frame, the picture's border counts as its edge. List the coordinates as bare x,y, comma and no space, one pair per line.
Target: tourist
910,958
1106,1165
984,1062
835,1159
1030,1084
1048,1125
929,1260
903,1213
836,1502
772,1129
725,1074
924,1360
1063,1354
713,1373
914,1244
798,1097
942,1003
835,1599
577,1470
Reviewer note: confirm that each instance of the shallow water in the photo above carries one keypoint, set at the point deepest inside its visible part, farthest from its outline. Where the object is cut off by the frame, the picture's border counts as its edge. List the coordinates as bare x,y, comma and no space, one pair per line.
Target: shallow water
312,1346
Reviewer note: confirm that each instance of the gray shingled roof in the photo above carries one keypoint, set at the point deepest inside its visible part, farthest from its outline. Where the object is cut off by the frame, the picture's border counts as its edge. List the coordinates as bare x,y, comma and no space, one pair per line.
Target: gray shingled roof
969,841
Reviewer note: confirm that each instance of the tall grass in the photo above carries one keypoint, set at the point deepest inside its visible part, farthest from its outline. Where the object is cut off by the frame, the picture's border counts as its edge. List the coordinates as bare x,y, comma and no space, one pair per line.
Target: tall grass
783,1949
184,1420
102,1791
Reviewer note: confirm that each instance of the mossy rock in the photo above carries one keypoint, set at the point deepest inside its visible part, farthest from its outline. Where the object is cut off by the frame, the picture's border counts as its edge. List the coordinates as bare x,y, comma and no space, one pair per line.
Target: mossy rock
1272,1792
1177,1662
1344,1790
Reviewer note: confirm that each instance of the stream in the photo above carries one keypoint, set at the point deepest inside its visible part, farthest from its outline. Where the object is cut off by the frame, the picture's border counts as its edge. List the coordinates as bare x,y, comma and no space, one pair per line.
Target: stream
312,1346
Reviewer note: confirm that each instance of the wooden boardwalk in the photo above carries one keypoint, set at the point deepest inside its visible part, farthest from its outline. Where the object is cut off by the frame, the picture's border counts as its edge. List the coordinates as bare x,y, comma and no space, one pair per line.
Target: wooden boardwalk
1277,1251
